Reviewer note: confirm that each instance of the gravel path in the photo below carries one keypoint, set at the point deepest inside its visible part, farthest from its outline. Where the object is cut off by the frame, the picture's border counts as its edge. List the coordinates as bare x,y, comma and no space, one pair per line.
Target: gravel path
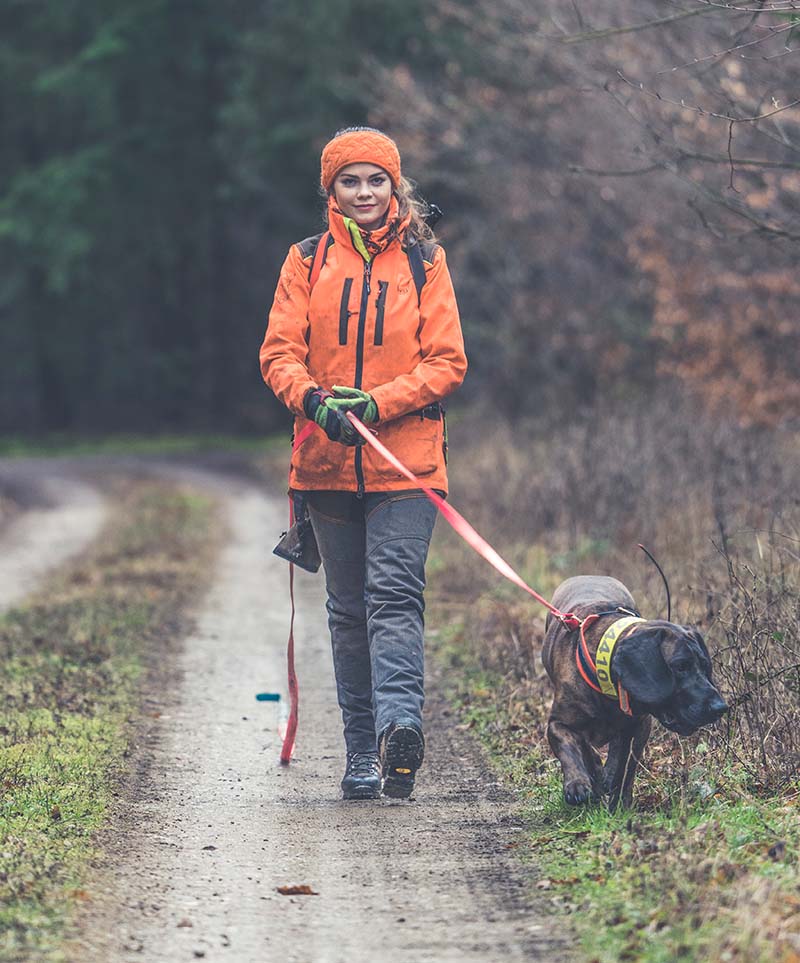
61,515
210,825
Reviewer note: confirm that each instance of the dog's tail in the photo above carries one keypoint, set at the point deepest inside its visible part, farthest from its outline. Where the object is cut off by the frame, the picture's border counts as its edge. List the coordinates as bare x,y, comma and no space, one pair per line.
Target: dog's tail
663,578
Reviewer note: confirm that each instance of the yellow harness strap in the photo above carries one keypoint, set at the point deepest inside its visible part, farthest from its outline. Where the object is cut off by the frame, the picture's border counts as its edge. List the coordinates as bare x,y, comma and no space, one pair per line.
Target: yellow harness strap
605,651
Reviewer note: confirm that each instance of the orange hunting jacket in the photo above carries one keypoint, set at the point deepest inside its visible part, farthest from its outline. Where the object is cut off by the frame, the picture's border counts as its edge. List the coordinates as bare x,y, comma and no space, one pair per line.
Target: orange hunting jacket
362,326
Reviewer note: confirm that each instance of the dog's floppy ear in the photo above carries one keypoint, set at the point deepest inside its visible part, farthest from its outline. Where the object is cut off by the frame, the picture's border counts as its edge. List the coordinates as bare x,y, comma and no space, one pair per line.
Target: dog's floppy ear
694,633
641,668
696,636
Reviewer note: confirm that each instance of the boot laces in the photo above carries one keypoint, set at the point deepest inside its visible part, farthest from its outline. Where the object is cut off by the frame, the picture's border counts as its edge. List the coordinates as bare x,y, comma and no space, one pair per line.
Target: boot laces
362,764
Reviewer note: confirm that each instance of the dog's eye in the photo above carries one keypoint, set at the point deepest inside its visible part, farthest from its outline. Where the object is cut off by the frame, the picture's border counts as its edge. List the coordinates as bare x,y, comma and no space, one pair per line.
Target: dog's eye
681,665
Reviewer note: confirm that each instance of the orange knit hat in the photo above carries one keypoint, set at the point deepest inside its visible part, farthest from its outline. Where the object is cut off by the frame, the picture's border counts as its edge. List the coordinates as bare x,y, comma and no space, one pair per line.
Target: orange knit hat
359,145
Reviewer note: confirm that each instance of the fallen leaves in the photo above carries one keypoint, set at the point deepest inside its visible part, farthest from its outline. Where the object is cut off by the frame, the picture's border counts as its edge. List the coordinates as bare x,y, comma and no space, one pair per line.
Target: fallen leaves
558,881
301,890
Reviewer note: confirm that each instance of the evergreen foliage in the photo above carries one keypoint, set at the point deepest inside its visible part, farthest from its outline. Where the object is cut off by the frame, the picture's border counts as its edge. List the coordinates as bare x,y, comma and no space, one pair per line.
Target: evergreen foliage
156,160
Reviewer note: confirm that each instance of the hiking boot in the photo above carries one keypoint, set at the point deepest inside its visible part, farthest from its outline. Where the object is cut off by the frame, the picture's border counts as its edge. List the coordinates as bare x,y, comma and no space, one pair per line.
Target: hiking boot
362,778
402,752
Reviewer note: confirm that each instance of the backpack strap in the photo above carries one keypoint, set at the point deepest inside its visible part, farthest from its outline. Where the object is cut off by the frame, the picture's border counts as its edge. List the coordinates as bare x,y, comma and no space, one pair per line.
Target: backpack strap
418,253
315,250
309,246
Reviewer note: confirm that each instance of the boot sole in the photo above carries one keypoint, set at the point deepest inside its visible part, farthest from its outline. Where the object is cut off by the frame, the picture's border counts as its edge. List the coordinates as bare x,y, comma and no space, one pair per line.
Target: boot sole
403,755
362,792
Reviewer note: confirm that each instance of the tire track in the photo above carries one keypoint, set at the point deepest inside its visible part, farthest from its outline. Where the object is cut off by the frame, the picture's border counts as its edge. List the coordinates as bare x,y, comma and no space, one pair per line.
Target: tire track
62,515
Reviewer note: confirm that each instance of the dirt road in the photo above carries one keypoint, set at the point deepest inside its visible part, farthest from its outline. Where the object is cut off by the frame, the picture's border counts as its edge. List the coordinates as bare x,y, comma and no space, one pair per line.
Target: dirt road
211,825
60,515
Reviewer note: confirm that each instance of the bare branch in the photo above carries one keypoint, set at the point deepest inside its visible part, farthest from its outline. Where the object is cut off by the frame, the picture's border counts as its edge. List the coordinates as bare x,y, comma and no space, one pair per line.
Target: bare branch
763,226
730,157
780,136
631,28
773,32
702,110
777,56
740,161
574,169
578,15
787,6
704,220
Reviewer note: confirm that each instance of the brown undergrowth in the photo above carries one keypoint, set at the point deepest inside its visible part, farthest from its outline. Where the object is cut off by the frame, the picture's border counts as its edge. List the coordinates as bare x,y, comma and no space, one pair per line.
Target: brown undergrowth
718,506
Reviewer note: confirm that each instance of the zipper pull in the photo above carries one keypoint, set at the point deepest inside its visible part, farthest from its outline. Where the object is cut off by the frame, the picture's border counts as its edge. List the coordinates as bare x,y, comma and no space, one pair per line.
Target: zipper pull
367,274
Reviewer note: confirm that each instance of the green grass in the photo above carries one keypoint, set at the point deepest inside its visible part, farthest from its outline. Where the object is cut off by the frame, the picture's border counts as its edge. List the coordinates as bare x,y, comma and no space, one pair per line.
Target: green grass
132,444
70,667
699,870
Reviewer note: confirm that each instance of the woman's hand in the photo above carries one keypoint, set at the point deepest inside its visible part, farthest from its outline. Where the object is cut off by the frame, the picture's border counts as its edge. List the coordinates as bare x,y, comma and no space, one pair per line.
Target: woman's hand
330,413
360,403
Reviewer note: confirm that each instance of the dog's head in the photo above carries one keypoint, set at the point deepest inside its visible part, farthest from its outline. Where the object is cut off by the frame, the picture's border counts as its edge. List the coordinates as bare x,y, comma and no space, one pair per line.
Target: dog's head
666,669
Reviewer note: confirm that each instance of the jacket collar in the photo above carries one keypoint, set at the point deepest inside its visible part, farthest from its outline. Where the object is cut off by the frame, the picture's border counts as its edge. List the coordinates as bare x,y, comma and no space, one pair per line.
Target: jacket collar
367,243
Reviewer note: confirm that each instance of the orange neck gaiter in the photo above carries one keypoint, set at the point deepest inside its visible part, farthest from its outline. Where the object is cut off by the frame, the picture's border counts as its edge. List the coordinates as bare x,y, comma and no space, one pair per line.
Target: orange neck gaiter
370,243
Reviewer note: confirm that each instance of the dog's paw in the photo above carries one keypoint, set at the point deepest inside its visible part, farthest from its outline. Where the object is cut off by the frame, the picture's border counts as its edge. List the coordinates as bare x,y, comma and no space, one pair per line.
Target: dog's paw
578,791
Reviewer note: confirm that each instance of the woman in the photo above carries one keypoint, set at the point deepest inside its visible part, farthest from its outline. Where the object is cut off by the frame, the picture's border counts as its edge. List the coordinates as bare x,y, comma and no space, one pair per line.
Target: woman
356,326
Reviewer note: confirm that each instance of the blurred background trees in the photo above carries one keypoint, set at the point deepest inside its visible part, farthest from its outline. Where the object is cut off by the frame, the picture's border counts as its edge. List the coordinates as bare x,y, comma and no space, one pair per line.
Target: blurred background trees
619,179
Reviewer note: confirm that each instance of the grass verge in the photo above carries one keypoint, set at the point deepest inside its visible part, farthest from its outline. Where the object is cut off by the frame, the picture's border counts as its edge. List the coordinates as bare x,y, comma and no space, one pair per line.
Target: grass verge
701,869
70,666
705,866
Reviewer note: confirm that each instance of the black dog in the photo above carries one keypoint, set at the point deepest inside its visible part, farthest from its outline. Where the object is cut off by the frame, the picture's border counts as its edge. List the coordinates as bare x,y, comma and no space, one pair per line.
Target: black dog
662,668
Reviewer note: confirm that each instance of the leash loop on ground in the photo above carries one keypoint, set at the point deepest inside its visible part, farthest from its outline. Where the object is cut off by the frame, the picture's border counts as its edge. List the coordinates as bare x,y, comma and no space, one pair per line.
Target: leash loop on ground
288,731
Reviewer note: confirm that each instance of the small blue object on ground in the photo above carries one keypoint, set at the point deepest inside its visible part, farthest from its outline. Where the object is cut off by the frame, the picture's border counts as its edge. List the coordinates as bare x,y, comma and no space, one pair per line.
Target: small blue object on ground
268,696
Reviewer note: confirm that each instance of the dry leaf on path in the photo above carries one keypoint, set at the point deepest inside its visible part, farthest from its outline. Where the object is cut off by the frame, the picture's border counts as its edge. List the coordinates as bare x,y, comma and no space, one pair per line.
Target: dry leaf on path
303,890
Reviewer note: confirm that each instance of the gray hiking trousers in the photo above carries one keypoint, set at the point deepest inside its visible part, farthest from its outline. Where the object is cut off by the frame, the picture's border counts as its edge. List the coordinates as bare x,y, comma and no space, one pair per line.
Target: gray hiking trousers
374,550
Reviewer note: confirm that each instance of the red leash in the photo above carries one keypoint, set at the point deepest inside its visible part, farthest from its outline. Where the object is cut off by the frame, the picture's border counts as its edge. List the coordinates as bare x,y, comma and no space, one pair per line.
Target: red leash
289,731
454,519
462,526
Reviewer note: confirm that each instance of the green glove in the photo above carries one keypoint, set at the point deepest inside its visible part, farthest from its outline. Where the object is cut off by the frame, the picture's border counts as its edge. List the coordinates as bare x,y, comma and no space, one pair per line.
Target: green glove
360,403
316,407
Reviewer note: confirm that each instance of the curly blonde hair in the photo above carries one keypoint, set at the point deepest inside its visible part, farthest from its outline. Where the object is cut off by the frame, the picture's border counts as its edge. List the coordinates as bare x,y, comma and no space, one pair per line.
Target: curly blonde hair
410,202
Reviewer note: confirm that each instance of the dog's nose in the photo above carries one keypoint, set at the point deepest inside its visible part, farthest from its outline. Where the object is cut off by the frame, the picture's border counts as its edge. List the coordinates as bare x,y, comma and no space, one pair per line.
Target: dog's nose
717,708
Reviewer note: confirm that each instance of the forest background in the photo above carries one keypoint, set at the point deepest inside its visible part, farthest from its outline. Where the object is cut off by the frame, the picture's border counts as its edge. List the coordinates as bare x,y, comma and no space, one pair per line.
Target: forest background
619,180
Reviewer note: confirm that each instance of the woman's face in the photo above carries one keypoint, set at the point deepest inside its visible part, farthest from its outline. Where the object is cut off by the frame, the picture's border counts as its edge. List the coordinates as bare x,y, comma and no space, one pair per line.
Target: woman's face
363,192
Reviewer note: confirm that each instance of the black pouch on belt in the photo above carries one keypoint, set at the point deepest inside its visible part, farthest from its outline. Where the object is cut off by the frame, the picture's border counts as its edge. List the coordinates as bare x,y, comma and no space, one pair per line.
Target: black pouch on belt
298,545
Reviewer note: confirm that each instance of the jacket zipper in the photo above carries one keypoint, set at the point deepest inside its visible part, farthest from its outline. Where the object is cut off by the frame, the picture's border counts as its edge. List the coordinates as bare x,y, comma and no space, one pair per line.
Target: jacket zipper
344,313
381,306
362,326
